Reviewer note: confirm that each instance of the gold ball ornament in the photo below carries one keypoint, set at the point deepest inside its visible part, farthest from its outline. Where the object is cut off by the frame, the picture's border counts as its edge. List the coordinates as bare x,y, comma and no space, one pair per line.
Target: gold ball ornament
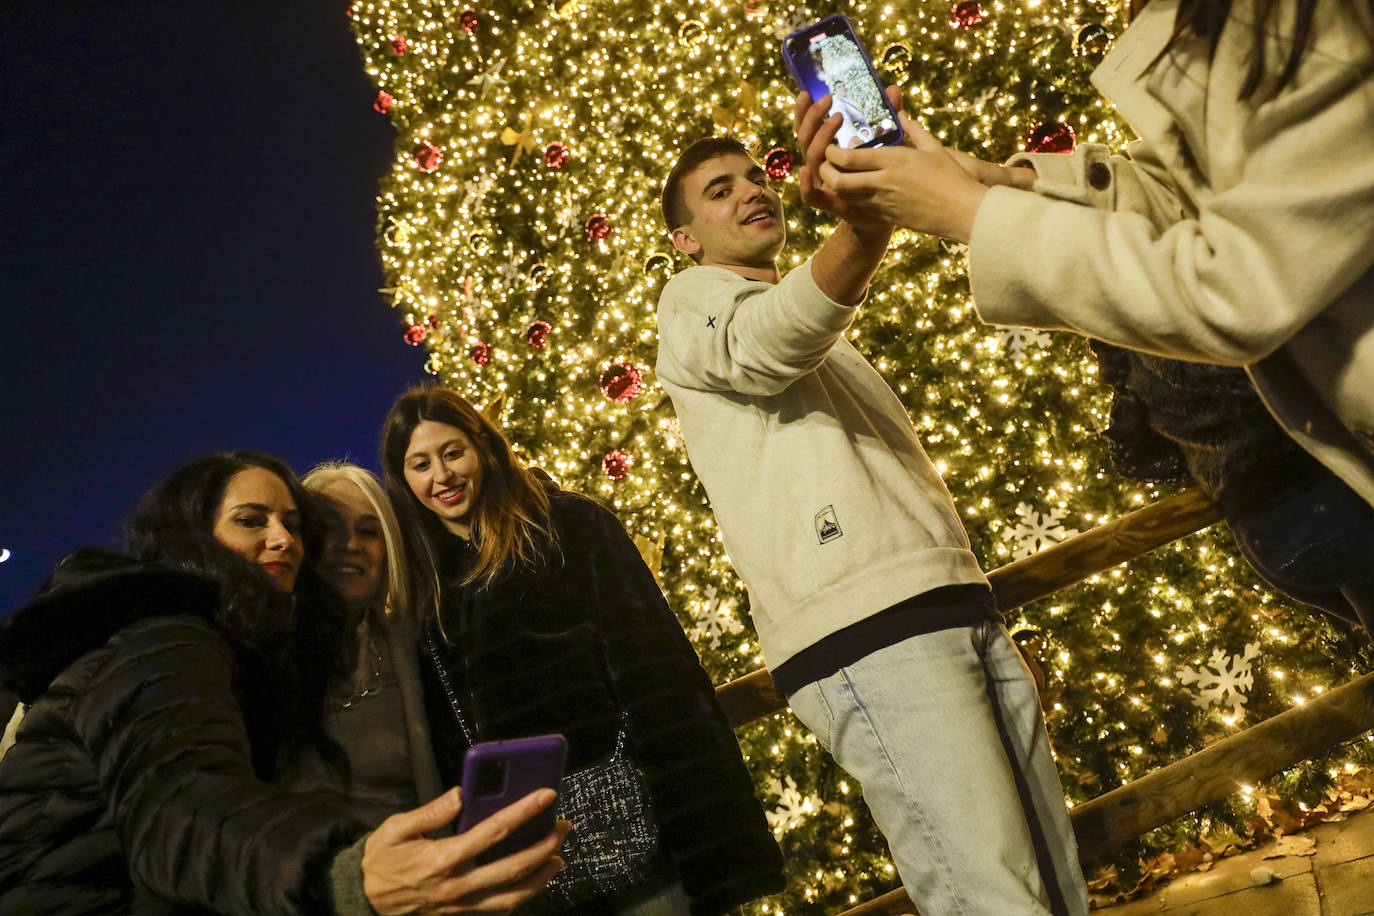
896,62
691,32
1092,41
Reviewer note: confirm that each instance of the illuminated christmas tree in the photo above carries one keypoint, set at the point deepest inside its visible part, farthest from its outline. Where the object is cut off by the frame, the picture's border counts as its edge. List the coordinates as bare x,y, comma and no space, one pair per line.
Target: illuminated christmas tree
523,246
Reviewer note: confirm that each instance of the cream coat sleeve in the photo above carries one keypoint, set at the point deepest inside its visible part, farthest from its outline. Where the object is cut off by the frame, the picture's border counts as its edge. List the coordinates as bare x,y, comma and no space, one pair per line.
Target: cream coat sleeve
720,332
1092,175
1231,284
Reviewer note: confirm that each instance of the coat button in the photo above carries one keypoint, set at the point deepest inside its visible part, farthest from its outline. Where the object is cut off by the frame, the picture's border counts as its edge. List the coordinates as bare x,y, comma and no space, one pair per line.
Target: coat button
1099,176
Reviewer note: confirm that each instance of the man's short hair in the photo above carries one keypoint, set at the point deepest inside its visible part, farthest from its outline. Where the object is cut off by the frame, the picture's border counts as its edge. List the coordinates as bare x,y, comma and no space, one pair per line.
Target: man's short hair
675,210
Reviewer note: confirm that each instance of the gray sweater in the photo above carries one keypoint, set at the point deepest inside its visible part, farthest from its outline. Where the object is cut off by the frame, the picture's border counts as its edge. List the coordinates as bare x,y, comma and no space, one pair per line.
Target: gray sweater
829,508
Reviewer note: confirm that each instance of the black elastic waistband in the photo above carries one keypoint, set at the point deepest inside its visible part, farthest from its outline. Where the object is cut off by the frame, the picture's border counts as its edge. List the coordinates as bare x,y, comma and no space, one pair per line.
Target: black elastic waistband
941,608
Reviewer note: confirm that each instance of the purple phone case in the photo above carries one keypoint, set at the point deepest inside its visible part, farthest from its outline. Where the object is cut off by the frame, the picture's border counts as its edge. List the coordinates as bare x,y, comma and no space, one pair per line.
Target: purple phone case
804,70
499,773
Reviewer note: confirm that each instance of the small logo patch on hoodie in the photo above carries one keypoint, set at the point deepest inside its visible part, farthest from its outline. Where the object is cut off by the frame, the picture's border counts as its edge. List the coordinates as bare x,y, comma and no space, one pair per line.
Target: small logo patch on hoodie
827,525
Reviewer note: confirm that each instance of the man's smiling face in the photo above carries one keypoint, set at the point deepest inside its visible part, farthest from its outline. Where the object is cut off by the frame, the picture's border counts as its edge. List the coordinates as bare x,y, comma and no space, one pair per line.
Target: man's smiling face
737,219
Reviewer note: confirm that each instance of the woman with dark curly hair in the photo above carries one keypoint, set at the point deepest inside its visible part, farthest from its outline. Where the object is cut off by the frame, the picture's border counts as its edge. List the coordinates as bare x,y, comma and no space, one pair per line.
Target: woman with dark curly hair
540,616
166,691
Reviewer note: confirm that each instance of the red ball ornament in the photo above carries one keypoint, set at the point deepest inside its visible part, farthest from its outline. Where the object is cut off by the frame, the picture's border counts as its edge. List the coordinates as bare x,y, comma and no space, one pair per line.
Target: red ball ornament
467,21
616,464
480,354
555,154
598,227
349,12
537,334
428,156
967,14
778,163
383,101
398,44
621,382
1051,137
432,319
414,334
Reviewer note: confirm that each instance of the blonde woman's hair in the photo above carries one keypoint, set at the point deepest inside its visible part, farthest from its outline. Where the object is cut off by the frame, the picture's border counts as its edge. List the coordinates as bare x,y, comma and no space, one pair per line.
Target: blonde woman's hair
397,601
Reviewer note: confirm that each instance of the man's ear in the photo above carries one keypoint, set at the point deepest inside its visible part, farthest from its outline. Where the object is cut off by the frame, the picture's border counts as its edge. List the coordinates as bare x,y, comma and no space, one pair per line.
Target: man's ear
685,242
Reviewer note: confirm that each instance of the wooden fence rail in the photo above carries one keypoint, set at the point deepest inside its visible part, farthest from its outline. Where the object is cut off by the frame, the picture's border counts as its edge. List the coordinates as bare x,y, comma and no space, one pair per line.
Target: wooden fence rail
752,697
1211,775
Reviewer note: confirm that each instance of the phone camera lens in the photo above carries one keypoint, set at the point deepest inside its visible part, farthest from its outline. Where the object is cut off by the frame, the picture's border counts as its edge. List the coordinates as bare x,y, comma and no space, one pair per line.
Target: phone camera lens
491,778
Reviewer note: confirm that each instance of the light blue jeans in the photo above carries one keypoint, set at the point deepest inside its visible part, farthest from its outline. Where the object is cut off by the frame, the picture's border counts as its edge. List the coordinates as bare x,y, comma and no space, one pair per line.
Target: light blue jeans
944,732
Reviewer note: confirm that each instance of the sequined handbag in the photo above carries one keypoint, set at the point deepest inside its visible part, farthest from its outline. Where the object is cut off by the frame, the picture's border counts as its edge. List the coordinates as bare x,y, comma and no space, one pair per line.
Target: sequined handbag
614,845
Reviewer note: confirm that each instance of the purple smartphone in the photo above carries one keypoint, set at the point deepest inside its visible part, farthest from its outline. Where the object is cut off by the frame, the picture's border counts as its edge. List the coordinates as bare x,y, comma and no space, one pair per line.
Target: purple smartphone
499,773
828,58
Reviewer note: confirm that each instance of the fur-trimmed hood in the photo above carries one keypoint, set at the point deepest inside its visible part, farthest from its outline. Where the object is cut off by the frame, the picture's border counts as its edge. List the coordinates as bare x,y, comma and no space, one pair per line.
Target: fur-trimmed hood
91,595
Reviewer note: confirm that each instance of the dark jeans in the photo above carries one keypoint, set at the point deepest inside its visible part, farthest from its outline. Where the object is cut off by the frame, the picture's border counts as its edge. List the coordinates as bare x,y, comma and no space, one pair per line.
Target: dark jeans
1315,544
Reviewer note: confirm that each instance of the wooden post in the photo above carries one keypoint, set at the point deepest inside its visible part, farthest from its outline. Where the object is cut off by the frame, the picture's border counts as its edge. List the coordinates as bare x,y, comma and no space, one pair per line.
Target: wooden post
748,698
1211,775
752,696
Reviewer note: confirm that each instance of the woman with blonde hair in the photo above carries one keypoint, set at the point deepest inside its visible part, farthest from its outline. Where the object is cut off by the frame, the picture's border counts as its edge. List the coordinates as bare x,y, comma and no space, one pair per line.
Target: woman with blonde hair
539,616
376,713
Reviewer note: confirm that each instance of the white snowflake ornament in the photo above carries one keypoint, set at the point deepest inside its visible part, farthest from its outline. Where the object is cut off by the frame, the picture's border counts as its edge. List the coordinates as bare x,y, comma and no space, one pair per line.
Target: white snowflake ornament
1228,681
792,807
510,269
1015,341
475,191
488,79
567,212
1034,531
716,620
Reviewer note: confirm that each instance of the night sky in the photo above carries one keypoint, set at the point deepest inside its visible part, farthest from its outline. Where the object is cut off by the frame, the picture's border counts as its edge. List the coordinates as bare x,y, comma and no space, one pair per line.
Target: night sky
187,193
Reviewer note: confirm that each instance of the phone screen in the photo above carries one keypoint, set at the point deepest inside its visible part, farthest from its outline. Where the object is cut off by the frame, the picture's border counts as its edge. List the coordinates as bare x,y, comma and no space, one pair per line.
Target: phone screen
828,58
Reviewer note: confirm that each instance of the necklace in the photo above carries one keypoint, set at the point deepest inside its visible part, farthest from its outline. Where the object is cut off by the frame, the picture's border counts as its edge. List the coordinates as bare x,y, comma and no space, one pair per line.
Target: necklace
366,680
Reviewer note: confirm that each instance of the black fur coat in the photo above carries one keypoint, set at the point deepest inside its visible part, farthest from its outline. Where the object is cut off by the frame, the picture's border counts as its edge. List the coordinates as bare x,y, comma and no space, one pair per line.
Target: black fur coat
584,644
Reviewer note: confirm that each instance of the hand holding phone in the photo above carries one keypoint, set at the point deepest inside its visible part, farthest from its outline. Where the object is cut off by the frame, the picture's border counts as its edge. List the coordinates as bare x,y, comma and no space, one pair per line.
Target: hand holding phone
406,873
828,58
500,773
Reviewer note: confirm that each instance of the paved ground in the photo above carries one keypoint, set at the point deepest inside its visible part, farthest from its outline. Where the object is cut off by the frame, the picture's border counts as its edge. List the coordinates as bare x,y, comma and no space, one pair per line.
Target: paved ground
1331,876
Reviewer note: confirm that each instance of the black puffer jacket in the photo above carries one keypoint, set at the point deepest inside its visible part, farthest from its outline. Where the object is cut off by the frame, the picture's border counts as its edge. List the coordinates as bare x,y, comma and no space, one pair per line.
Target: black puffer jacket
569,647
131,787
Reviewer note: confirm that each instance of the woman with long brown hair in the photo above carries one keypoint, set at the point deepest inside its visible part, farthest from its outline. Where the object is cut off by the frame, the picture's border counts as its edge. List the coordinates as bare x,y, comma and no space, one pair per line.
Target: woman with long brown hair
540,616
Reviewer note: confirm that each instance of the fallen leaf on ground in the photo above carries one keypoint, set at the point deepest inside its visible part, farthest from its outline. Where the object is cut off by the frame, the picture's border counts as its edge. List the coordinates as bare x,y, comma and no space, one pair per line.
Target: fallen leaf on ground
1292,846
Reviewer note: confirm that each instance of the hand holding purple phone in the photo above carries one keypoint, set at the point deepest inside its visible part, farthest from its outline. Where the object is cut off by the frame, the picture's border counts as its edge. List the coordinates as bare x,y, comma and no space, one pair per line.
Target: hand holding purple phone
406,872
498,773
